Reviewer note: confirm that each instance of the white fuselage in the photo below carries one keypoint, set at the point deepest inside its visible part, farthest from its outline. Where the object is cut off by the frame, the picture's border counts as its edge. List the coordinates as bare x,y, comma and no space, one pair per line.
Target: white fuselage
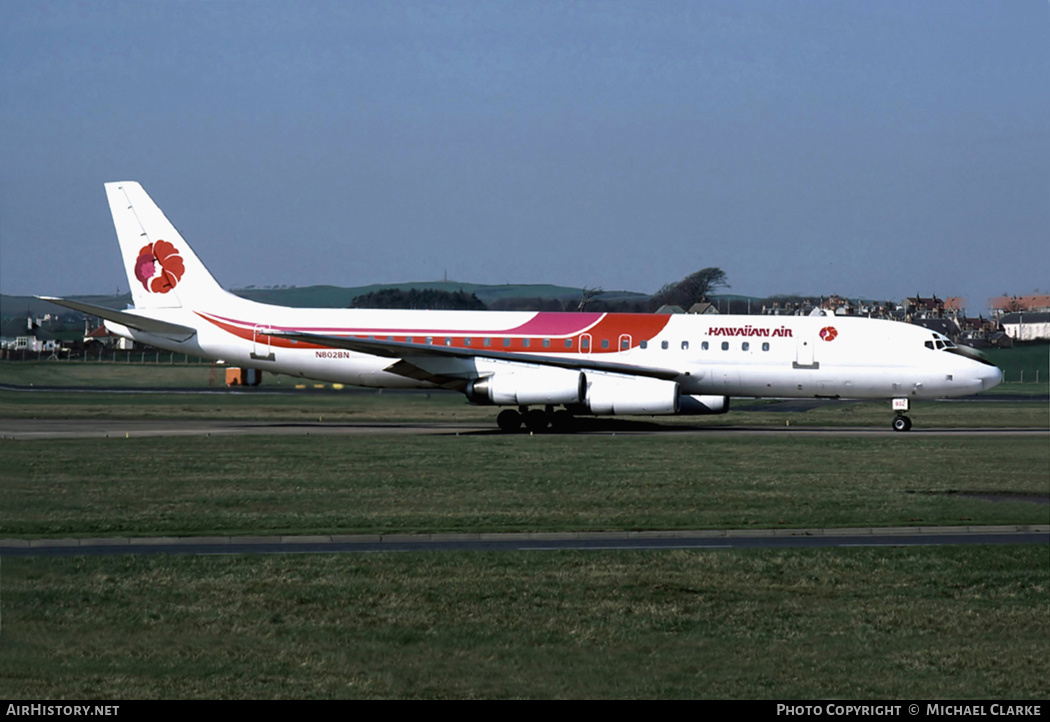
587,362
752,356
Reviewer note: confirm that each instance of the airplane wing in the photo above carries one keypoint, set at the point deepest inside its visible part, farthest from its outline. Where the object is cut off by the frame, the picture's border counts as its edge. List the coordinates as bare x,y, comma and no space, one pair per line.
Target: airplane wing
428,362
173,331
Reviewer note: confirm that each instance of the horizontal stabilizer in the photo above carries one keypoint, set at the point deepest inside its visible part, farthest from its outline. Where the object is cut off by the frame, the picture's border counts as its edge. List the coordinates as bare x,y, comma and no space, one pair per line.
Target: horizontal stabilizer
173,331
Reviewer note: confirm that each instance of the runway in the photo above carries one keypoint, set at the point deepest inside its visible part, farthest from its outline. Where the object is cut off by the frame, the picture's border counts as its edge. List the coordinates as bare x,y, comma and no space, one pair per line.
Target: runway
537,541
36,429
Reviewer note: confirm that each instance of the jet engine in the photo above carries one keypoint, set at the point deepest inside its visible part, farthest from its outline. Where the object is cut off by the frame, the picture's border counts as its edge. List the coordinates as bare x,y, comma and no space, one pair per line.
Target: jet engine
702,405
615,395
525,386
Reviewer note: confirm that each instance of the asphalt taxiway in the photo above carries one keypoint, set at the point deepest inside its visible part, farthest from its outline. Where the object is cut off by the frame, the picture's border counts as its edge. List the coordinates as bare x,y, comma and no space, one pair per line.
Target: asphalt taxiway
535,541
32,429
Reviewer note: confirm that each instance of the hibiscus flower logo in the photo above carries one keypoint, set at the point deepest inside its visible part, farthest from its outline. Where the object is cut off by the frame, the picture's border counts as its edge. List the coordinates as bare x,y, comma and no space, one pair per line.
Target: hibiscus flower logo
159,267
828,333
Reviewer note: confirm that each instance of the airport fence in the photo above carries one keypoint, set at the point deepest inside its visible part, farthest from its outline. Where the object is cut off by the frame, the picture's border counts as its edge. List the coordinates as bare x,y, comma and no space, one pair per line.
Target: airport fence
115,356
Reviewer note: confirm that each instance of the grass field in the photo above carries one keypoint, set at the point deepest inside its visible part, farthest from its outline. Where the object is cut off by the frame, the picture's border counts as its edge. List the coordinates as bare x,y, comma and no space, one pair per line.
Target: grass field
447,483
934,622
920,623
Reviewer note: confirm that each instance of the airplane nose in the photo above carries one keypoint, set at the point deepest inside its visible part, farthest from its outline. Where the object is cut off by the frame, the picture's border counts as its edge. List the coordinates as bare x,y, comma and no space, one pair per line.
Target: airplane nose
990,377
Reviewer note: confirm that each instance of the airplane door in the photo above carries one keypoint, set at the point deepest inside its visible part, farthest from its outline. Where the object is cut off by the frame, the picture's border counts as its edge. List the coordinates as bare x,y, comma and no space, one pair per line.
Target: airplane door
624,344
585,343
804,353
261,349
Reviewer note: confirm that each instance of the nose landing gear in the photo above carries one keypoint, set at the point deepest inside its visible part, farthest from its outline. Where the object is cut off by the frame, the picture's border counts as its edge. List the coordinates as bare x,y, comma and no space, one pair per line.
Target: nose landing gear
901,422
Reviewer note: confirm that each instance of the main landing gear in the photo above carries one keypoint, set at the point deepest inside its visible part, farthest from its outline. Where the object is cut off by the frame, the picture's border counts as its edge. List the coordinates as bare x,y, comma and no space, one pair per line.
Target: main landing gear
901,422
535,420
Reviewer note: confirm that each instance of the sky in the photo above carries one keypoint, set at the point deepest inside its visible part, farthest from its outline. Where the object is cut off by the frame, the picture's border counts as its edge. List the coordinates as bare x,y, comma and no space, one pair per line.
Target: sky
867,149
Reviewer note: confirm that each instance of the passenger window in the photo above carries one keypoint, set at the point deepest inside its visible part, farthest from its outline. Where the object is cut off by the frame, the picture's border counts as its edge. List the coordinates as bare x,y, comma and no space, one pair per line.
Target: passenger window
506,343
467,341
745,346
624,344
725,345
568,343
488,342
605,343
430,340
705,345
448,341
525,343
685,345
765,346
585,343
643,344
663,345
546,343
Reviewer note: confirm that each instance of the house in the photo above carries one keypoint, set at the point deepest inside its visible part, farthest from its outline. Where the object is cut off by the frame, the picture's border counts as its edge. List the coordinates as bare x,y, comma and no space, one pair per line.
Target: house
933,307
1008,304
1027,326
105,339
978,331
945,326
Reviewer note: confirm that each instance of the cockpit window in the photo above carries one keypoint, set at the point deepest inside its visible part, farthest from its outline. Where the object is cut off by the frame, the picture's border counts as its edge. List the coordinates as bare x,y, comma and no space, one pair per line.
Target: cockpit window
940,343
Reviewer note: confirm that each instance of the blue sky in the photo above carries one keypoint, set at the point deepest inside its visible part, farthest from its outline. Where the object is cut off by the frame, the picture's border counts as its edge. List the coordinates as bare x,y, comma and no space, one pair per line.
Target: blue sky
876,149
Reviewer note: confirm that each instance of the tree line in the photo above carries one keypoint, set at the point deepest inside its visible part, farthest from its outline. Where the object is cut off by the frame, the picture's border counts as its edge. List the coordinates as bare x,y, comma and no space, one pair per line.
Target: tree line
690,290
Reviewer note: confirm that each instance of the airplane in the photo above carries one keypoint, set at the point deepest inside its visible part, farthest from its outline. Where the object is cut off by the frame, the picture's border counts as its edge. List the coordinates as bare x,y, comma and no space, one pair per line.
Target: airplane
545,368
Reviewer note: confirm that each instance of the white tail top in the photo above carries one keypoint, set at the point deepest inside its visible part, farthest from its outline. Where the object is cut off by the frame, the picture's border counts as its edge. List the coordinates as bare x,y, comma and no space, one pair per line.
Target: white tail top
162,269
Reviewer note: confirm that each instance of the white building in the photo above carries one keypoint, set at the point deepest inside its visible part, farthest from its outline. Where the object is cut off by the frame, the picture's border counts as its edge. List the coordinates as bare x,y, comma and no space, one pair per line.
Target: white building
1027,326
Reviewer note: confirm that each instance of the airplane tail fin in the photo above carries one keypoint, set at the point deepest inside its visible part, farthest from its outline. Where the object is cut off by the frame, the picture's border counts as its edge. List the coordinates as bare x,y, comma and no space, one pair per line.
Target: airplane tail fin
162,269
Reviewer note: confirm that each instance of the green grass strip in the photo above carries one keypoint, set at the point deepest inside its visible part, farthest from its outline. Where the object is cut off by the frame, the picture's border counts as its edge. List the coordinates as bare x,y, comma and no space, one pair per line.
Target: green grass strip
403,483
928,623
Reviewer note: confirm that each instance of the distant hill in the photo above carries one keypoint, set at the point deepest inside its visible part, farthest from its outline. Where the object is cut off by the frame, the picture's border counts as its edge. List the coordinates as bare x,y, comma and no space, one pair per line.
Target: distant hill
338,297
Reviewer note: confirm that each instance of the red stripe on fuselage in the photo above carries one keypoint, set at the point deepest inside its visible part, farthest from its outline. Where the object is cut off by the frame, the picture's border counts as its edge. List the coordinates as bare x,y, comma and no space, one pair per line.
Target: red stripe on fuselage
611,327
250,333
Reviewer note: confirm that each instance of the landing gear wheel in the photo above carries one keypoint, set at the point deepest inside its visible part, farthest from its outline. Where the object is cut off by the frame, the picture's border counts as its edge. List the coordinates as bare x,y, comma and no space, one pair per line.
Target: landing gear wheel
902,423
562,421
508,420
536,420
